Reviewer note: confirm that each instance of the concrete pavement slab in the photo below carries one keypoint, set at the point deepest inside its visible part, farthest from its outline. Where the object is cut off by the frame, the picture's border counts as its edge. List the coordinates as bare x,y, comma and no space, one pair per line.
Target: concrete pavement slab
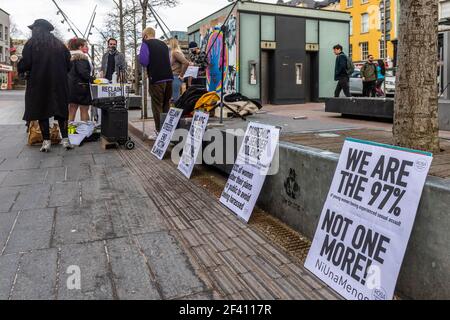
8,268
92,262
33,231
8,196
36,278
25,177
130,271
33,197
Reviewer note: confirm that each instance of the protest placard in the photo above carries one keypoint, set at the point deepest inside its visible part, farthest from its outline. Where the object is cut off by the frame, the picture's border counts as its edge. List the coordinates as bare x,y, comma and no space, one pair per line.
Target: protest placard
165,135
193,143
367,219
250,170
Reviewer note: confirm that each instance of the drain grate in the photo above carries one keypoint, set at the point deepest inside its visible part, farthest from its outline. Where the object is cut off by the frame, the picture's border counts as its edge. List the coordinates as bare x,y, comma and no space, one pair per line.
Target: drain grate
296,245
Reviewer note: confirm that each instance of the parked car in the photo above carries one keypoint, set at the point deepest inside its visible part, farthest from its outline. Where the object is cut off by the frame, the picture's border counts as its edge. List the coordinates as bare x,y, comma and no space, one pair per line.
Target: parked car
356,83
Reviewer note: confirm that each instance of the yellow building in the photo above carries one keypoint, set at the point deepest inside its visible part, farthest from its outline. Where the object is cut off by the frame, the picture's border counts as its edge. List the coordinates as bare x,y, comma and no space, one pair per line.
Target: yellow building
366,28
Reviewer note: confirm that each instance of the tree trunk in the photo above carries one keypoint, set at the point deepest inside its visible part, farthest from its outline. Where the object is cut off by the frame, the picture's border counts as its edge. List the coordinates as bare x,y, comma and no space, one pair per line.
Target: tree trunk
122,27
416,122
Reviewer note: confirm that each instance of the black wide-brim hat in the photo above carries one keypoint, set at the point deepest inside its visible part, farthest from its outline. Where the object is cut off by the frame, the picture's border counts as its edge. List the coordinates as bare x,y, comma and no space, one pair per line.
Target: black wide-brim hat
43,24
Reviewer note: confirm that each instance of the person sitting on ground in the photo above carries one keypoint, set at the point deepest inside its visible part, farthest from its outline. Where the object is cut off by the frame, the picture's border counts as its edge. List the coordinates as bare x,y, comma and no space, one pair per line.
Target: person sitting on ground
47,62
80,78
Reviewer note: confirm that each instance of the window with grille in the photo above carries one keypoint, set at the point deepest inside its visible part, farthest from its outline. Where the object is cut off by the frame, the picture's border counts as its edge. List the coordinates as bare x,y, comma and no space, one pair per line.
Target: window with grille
364,50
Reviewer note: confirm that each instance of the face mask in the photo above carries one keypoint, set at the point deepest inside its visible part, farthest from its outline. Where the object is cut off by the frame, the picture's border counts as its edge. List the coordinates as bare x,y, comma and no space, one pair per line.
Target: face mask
85,50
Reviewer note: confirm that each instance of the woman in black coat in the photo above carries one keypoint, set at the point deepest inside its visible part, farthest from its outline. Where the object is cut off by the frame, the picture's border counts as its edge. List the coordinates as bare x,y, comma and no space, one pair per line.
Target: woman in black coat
46,63
80,77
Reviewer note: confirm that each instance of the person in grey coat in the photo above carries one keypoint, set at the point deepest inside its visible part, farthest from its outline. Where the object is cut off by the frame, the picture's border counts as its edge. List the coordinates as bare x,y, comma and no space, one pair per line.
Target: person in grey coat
113,61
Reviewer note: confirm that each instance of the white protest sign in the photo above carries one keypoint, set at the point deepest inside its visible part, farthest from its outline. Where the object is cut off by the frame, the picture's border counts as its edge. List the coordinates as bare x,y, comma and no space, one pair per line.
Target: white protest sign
194,143
192,72
166,133
250,170
367,219
109,91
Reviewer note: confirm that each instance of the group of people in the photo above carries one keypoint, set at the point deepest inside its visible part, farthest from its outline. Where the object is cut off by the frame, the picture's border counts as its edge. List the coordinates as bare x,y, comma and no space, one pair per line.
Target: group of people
58,79
372,73
166,66
59,76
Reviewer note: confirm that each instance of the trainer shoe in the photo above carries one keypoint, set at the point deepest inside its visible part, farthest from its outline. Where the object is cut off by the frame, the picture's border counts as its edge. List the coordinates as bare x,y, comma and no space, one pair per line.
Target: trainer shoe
46,145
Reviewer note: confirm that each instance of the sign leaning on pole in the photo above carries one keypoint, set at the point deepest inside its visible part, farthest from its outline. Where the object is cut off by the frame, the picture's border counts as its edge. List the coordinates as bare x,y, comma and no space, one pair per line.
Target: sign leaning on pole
250,170
194,142
367,219
167,131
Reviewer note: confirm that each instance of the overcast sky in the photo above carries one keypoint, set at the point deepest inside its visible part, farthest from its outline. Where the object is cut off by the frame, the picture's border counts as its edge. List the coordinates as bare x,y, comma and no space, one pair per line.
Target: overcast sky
24,12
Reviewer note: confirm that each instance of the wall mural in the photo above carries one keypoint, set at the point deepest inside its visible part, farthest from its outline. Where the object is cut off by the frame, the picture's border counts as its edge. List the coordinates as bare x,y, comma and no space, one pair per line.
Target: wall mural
212,39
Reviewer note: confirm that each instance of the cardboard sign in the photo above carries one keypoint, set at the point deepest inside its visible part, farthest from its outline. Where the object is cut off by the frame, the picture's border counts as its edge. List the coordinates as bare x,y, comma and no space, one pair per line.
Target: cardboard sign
193,143
367,219
166,133
250,170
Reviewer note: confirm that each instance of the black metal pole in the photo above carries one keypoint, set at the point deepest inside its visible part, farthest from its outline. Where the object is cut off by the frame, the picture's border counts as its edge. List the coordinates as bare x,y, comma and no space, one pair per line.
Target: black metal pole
223,26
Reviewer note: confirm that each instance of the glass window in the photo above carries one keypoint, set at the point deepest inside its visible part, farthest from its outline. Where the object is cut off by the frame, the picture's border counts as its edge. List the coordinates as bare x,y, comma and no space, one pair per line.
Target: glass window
364,23
350,51
382,53
364,50
6,33
351,26
1,31
349,3
267,28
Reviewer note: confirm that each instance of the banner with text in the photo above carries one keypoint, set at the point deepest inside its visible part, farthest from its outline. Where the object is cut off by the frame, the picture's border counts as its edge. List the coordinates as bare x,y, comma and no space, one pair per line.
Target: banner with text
367,220
167,131
194,143
250,170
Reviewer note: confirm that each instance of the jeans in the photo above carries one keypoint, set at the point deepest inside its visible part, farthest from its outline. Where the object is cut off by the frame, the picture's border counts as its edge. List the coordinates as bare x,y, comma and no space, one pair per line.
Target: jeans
343,84
176,88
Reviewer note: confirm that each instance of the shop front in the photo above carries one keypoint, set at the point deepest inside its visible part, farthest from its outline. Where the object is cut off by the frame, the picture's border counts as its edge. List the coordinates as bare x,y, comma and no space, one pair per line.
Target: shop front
6,77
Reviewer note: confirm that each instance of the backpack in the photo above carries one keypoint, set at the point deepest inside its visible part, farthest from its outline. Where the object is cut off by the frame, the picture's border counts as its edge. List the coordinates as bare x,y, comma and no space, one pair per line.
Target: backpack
188,100
350,66
208,101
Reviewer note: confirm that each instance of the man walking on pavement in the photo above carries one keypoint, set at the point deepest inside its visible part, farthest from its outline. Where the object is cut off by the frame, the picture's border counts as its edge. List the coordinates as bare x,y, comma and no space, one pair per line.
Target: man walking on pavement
341,73
154,56
369,78
113,61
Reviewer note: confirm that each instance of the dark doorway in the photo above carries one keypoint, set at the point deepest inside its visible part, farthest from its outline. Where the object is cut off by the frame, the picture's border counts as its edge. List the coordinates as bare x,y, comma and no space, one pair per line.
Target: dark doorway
312,77
267,76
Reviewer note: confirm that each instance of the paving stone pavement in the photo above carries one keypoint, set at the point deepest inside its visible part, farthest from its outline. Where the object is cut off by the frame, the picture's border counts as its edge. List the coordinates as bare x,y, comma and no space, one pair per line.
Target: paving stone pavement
135,228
